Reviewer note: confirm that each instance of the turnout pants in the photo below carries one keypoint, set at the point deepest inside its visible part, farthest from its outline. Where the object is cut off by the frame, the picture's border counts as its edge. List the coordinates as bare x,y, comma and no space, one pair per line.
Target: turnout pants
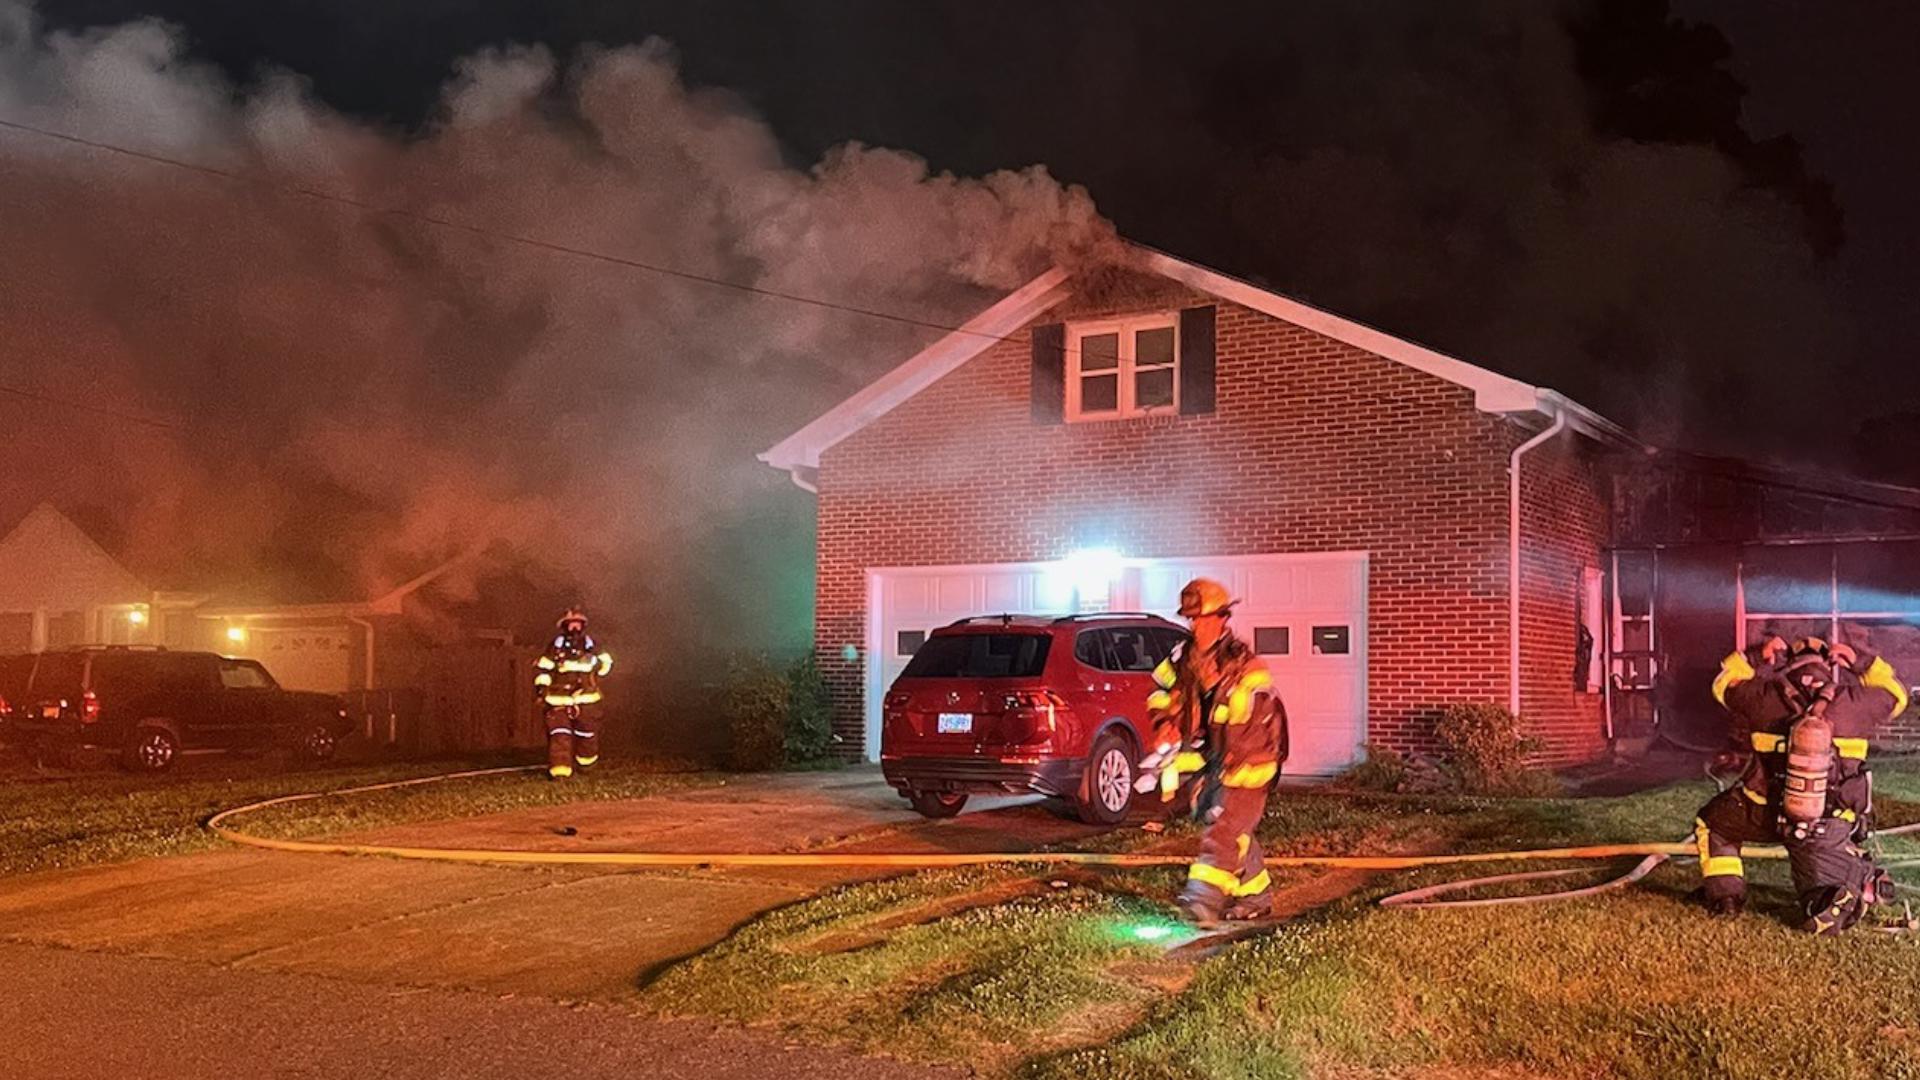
1229,865
573,739
1830,872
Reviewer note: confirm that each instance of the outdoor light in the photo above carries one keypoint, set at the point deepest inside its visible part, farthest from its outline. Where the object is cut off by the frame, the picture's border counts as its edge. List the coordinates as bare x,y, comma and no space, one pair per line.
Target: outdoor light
1152,933
236,634
1082,580
136,616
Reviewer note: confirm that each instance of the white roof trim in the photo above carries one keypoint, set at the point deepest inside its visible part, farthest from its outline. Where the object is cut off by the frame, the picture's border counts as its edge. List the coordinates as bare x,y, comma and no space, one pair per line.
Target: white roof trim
802,449
1493,392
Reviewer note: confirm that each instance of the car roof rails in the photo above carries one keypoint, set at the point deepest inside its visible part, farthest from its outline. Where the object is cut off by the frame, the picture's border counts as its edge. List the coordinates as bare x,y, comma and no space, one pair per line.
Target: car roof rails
1089,616
117,648
1004,619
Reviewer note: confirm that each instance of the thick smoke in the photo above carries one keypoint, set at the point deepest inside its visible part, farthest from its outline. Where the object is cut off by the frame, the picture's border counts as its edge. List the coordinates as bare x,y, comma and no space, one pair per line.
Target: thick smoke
360,393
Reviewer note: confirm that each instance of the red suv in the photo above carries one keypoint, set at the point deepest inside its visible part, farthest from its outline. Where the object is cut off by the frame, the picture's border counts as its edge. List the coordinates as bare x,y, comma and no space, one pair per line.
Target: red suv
1010,704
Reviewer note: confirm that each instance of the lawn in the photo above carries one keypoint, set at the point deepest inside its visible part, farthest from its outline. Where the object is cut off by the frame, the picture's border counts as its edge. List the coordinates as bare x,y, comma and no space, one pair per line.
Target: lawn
51,822
1050,977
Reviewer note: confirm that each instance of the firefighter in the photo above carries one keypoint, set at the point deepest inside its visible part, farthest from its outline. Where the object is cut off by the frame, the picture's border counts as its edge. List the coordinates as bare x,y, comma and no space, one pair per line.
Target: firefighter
1805,714
1216,712
567,681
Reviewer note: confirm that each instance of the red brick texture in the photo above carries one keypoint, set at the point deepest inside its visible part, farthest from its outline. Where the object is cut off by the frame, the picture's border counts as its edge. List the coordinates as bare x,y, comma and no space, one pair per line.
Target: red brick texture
1315,446
1563,529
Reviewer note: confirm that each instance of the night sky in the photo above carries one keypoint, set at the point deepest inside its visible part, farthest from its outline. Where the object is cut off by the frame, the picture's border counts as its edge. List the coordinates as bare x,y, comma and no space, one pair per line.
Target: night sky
1174,117
1692,216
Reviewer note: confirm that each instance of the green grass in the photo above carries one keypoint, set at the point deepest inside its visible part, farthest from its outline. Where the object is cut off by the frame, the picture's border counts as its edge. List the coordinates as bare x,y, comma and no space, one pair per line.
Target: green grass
54,822
1050,984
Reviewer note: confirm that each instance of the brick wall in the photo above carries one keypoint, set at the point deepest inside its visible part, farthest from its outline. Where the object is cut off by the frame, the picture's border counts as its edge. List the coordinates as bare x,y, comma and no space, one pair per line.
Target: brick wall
1563,523
1315,446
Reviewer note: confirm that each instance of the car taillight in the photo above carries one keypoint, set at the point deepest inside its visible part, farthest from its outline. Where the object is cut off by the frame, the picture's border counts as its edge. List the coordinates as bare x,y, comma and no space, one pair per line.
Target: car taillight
1042,710
89,707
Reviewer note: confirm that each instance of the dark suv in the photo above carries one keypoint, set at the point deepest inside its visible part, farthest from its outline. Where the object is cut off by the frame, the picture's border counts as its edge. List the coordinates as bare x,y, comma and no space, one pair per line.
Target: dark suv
150,705
1023,703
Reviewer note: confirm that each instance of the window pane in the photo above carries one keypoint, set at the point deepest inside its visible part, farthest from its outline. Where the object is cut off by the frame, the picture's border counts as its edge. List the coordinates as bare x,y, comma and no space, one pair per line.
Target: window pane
242,677
1100,352
1086,649
1788,580
1152,347
979,656
1101,393
908,642
1881,576
1330,640
1132,651
1153,388
1272,640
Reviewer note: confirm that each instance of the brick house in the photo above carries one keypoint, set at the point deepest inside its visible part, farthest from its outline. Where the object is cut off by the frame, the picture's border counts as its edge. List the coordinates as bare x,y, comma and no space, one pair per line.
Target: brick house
1092,440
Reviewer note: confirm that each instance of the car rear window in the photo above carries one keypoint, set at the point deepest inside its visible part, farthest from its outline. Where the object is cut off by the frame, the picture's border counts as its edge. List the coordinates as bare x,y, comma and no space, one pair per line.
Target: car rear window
59,673
979,656
14,673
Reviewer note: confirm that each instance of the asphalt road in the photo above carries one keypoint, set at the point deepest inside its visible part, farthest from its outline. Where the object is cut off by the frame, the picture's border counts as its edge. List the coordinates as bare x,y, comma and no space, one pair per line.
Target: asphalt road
69,1014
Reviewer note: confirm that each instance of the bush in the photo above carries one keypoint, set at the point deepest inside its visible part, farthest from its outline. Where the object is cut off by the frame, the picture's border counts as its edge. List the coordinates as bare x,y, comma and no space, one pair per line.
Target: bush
809,734
1487,749
754,702
1383,770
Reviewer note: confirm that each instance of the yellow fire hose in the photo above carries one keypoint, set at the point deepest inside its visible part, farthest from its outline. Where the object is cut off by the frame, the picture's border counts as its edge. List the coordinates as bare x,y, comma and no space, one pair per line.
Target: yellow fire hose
879,859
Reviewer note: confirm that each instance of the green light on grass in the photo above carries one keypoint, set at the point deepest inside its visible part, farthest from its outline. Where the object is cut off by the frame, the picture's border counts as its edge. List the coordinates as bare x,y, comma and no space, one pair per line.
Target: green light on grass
1152,933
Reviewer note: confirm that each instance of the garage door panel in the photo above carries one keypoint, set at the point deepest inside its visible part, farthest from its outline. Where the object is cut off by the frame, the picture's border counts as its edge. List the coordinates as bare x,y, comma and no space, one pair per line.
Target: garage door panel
1325,694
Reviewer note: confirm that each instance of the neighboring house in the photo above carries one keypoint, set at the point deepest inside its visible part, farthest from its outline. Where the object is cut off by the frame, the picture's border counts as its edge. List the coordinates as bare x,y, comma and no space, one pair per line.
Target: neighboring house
1090,442
425,692
58,587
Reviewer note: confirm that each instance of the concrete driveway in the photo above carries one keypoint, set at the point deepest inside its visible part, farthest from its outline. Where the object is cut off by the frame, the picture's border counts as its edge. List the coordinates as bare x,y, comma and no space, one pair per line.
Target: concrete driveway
576,935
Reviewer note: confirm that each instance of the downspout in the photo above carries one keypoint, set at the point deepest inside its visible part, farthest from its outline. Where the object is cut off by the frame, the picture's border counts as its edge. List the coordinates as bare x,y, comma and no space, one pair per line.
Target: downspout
1513,553
366,680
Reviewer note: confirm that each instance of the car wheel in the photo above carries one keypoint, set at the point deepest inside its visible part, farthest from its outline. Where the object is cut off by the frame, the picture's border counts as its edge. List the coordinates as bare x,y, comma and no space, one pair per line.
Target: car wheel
937,804
1106,792
151,750
318,743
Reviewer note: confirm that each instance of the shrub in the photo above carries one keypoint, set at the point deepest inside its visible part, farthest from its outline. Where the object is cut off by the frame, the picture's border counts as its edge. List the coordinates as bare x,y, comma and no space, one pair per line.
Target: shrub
809,734
1486,747
1382,770
754,702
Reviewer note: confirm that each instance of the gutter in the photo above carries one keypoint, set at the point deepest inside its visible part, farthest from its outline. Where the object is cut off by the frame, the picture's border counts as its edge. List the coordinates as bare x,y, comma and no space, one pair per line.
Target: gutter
1513,547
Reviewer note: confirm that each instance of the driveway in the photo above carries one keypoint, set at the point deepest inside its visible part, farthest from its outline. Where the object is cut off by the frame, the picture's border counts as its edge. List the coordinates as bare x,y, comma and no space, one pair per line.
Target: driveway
561,934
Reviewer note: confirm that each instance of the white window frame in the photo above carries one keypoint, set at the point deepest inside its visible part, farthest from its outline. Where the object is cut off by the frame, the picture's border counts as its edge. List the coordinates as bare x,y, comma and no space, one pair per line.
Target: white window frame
1126,329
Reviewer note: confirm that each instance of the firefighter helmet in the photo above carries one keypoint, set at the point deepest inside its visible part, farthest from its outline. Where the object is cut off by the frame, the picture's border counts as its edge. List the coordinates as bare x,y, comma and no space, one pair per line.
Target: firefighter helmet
1843,655
574,619
1205,596
1810,646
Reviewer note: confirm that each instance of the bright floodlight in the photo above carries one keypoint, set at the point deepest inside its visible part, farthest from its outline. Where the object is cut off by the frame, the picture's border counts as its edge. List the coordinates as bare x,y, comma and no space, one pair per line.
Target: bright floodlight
236,634
136,616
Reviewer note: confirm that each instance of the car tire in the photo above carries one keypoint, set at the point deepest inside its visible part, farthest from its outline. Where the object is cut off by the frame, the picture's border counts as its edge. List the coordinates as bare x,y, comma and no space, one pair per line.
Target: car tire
151,749
1106,791
317,744
937,804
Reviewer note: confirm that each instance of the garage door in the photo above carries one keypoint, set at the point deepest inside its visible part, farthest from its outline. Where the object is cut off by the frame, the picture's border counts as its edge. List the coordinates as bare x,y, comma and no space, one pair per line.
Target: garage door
1306,614
307,658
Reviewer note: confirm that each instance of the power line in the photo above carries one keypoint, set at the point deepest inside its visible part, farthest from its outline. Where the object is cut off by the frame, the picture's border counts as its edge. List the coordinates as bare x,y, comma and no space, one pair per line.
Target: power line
478,230
130,418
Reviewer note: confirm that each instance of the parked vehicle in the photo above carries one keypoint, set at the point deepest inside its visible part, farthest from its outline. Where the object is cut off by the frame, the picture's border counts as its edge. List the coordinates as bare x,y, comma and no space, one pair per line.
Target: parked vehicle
1023,703
149,705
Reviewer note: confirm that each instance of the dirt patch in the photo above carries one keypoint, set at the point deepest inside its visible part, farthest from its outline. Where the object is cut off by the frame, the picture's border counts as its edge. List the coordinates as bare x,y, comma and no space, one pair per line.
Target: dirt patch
1164,976
876,931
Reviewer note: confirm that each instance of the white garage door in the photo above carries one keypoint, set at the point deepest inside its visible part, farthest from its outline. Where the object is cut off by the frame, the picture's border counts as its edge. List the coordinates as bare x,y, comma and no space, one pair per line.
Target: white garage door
307,658
1305,613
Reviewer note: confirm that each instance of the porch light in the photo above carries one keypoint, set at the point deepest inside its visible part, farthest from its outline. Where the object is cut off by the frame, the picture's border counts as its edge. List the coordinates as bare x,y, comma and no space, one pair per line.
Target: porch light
137,617
236,634
1083,580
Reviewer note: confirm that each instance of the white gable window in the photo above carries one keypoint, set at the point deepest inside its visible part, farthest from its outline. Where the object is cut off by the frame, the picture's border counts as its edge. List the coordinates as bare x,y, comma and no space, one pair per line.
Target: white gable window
1122,367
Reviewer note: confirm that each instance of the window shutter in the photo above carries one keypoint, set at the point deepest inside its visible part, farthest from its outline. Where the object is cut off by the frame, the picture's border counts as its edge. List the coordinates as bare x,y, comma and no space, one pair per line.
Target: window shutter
1196,361
1049,373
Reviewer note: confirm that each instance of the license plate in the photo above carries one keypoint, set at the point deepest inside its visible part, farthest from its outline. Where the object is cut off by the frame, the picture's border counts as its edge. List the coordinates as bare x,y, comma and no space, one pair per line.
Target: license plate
51,712
956,723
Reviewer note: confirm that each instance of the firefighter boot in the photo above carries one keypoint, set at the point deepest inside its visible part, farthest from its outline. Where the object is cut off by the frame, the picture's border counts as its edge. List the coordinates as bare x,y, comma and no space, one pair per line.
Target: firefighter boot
1831,911
1202,904
1251,908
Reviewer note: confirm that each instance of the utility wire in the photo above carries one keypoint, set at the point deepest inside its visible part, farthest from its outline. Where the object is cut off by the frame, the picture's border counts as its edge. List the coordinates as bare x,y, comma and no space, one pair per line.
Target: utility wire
478,230
131,418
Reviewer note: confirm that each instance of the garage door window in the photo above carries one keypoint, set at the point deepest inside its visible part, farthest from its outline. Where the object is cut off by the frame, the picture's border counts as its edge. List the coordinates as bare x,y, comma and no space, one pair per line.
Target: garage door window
1272,640
908,642
1331,641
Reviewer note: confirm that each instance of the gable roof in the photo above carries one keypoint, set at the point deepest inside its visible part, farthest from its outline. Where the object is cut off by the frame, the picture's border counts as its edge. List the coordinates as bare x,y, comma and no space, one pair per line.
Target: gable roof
1493,392
47,558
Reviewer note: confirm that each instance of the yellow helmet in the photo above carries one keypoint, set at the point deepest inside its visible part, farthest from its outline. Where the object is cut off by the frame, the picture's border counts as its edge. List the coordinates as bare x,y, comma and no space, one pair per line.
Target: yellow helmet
1204,596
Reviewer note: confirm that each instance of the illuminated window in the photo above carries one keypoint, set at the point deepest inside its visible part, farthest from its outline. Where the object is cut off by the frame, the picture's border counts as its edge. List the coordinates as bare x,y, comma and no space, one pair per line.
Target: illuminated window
1123,367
